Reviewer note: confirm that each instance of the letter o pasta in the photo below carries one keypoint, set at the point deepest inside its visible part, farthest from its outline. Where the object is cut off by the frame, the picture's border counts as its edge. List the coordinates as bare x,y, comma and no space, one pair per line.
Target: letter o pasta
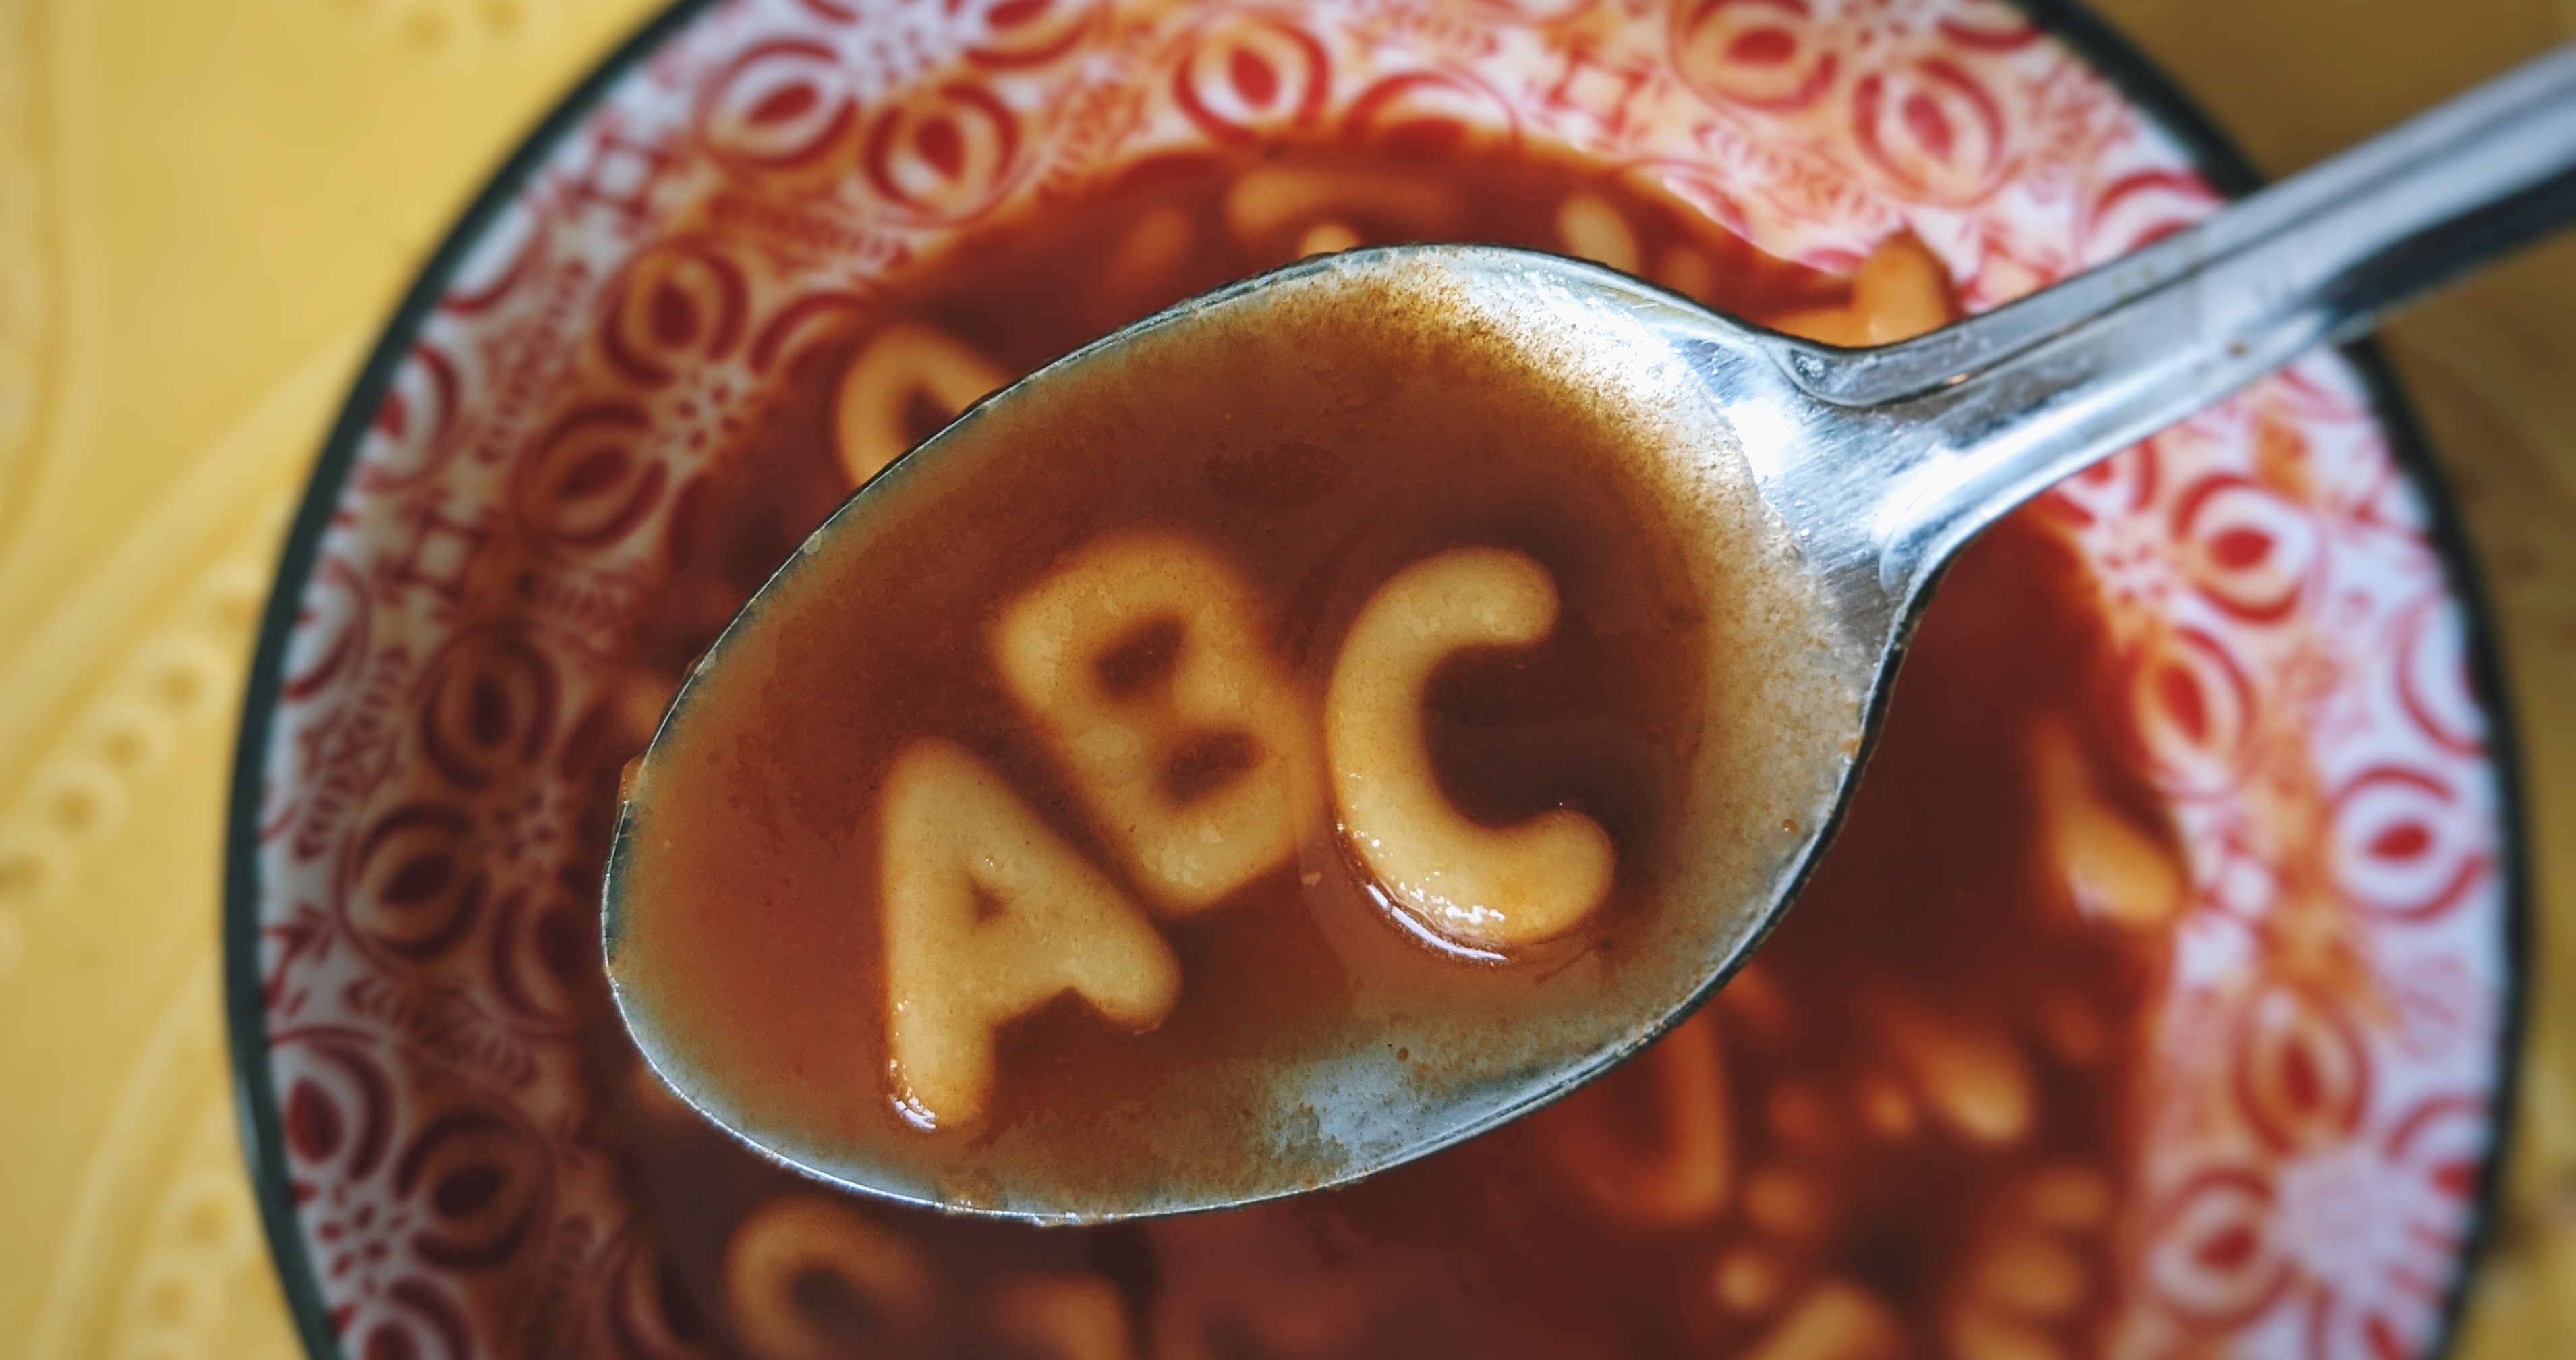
793,1239
904,361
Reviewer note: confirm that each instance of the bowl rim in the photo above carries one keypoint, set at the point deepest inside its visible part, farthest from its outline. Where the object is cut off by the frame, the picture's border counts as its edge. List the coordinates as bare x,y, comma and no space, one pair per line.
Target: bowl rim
2142,84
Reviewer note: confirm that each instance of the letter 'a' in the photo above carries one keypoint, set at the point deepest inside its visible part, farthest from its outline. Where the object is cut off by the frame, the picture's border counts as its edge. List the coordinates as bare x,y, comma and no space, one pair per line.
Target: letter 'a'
989,915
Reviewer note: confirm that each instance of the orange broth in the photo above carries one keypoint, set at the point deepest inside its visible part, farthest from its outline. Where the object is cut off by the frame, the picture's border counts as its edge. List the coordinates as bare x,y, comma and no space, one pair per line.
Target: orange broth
1923,1074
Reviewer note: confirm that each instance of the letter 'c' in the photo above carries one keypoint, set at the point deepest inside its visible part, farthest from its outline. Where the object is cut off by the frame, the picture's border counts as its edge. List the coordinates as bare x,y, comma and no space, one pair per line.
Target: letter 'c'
1488,887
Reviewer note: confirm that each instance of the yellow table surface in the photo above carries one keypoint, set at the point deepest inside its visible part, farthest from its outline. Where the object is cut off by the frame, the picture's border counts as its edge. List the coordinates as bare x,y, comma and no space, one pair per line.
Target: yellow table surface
207,207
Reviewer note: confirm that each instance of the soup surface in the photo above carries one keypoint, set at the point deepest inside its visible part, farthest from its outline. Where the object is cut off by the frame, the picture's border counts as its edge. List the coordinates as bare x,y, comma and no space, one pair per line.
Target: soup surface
1903,1130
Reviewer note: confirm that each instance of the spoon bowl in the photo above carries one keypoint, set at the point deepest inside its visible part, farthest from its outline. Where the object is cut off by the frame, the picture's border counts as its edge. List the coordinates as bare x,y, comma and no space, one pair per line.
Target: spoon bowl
1395,1075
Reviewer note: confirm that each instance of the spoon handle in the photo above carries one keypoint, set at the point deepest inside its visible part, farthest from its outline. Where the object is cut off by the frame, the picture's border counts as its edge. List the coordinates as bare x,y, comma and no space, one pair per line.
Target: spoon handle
1986,414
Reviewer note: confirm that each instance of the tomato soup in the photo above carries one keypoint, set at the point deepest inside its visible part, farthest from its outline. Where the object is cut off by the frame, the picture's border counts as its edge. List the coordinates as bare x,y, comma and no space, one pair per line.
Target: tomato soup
1902,1130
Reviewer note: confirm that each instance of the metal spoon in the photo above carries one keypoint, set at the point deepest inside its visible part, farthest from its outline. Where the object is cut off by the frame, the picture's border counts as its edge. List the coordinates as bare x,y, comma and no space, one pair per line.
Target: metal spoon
1882,464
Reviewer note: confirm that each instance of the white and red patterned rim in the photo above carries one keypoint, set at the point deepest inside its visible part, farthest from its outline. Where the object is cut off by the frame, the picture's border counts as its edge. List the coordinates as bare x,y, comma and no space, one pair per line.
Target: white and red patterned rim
2275,571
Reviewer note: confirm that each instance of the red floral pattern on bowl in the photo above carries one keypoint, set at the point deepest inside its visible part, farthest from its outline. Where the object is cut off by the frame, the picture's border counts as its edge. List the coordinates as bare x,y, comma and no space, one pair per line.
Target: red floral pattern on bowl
412,913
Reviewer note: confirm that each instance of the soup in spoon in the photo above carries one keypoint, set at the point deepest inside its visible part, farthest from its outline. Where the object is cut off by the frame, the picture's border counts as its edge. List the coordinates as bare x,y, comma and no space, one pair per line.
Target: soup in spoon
1335,694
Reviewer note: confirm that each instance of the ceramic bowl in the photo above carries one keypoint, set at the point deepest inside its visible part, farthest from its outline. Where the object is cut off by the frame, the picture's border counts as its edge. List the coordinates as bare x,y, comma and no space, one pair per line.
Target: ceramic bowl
411,912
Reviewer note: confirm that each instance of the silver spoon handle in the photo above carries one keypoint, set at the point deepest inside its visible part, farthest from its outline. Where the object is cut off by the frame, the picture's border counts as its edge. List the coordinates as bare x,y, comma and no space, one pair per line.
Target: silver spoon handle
2011,402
